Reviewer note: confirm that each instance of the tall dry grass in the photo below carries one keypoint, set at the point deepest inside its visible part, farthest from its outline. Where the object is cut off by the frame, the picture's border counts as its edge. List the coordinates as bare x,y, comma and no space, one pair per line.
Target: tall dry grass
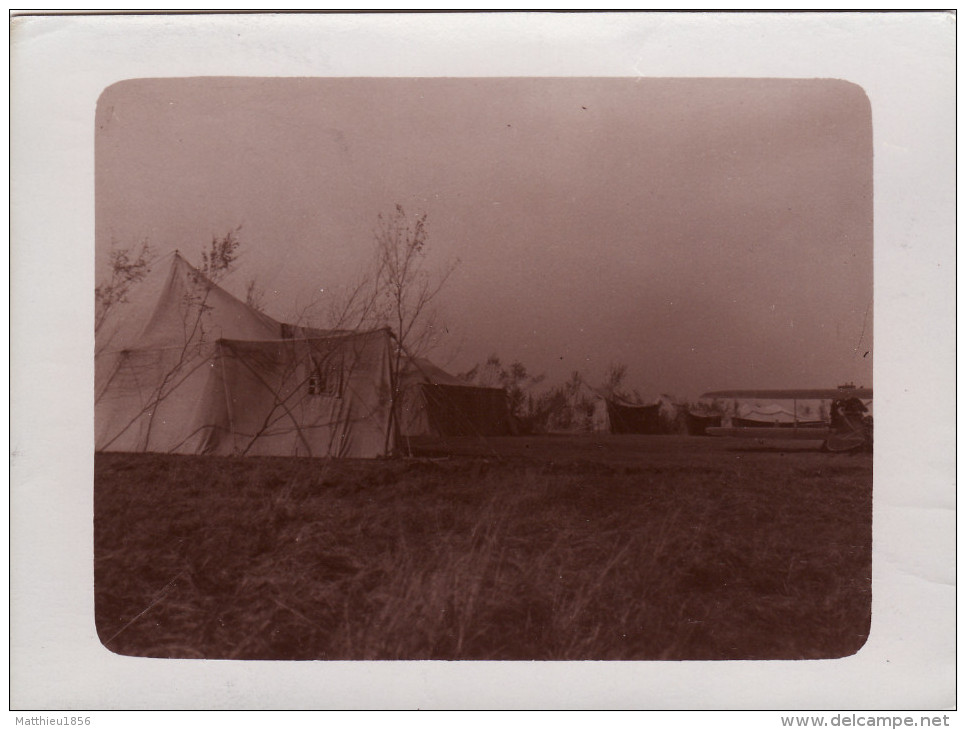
686,557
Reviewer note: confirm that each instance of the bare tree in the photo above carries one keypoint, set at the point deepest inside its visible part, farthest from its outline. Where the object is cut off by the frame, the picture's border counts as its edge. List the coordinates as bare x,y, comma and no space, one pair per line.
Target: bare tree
580,404
396,289
514,378
128,267
355,307
405,288
613,385
255,295
221,255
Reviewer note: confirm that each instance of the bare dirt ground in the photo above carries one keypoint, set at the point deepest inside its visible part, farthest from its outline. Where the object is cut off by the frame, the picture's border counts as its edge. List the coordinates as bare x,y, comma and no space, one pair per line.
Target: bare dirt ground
551,547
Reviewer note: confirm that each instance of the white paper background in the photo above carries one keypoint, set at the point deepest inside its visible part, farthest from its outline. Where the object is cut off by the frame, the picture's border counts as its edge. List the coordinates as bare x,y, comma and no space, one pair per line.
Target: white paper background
60,65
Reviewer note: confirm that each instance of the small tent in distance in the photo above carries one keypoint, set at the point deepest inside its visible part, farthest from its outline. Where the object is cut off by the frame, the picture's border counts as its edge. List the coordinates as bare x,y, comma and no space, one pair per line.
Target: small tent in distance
601,410
698,421
618,415
435,404
627,417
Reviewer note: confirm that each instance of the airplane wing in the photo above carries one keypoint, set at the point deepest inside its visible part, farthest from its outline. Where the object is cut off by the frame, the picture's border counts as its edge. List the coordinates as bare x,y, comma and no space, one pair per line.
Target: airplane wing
801,394
782,434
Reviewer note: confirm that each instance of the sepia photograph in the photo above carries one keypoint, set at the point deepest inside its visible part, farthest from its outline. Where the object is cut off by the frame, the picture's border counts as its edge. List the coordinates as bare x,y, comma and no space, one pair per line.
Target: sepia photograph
482,361
527,369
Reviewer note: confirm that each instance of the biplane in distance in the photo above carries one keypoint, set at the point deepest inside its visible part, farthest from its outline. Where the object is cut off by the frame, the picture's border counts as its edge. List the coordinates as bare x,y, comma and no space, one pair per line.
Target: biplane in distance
843,423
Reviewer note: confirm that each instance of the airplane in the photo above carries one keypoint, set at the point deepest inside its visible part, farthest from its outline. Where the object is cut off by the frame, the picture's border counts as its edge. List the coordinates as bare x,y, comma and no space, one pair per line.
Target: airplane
849,427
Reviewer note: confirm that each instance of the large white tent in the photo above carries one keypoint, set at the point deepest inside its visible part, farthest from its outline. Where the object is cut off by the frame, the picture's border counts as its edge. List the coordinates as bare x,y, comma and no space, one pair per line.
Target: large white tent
184,367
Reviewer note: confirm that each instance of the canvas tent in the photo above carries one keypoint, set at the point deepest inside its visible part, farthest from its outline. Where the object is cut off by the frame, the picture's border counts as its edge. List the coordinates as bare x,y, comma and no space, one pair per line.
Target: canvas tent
436,404
184,367
699,422
627,417
613,414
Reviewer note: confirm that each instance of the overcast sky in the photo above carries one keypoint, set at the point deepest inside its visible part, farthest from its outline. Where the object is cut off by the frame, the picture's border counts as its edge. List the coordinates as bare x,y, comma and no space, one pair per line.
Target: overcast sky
707,233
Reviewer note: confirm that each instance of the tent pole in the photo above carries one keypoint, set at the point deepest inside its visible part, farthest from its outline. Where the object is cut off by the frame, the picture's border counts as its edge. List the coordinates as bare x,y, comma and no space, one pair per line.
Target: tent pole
393,384
224,382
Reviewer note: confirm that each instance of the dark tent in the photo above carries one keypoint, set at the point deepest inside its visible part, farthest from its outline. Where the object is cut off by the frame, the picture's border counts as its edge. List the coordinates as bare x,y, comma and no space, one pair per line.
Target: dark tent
459,410
436,404
630,418
699,423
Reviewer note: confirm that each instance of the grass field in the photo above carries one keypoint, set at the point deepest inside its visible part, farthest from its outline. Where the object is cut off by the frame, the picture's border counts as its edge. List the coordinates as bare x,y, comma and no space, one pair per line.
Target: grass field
563,548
